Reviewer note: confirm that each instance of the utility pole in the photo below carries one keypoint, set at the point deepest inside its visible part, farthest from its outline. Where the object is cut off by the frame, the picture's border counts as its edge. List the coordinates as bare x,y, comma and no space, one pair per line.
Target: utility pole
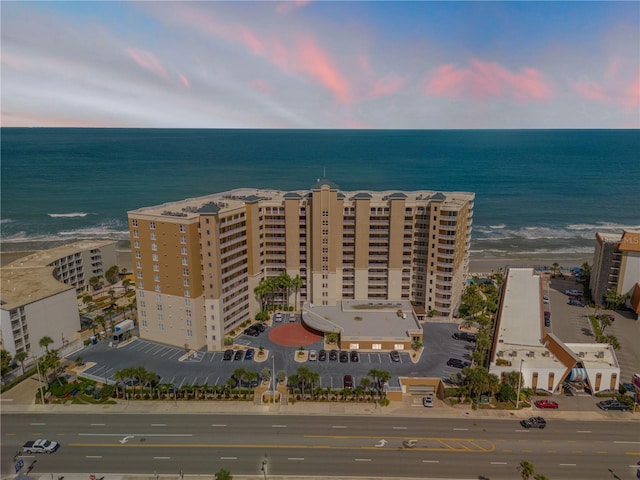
39,378
519,384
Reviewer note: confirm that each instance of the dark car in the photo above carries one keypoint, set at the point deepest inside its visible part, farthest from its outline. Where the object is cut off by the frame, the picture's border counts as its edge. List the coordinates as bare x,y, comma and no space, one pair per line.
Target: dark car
252,331
395,356
322,355
347,381
457,363
613,405
239,355
576,303
248,355
344,356
333,355
354,356
466,336
261,327
228,355
534,422
547,319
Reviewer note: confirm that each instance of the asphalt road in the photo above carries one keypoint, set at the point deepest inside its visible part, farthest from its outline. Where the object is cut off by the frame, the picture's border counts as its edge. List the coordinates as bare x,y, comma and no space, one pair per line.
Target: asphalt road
322,446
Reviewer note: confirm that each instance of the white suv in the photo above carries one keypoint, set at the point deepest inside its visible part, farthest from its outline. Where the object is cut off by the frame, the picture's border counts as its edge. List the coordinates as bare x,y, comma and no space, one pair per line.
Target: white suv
278,317
313,355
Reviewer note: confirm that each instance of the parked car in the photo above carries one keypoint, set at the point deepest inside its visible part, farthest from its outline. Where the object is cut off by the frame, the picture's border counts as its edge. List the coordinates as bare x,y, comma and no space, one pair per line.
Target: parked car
395,356
292,317
629,387
347,381
613,405
547,319
313,355
354,356
278,317
252,331
261,327
322,355
344,356
573,293
427,401
466,336
238,355
545,404
40,446
545,299
534,422
333,355
576,303
228,355
457,363
248,355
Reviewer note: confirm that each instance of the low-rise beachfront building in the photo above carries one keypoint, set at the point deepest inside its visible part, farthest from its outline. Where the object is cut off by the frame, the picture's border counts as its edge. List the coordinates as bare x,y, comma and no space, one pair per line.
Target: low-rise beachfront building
197,262
546,363
38,294
616,265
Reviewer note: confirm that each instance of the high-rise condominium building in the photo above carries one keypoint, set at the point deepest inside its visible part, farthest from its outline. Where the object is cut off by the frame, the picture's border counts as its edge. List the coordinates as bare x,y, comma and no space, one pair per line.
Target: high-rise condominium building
198,261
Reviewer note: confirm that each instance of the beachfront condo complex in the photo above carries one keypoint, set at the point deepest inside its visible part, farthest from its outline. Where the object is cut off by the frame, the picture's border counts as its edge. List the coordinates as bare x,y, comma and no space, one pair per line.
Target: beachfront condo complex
198,262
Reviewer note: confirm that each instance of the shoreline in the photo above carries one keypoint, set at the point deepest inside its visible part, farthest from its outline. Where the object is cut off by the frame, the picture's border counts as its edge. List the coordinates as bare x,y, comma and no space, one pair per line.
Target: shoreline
12,251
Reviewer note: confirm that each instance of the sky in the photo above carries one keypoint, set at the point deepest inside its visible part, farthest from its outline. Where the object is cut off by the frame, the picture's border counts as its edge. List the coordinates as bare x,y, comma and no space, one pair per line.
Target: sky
320,64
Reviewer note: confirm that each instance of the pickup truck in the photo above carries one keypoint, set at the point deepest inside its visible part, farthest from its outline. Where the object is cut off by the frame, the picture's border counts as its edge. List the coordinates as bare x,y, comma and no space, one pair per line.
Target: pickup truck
40,446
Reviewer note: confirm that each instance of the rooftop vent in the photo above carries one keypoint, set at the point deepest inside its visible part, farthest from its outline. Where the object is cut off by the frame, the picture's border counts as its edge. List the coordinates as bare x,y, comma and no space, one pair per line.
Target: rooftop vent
513,353
581,354
545,354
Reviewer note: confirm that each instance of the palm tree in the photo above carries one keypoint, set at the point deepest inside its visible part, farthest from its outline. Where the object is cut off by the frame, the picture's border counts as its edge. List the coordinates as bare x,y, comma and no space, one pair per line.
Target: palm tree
94,282
45,342
296,284
223,474
526,469
21,357
261,291
126,283
284,283
100,320
554,269
86,299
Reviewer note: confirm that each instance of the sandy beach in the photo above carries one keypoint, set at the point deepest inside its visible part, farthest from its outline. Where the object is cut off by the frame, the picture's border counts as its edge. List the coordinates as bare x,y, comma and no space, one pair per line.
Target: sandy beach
11,251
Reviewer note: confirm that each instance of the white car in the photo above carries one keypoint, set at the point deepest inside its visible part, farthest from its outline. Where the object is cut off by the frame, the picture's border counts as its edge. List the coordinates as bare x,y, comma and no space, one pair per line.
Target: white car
278,317
427,401
313,355
573,293
292,317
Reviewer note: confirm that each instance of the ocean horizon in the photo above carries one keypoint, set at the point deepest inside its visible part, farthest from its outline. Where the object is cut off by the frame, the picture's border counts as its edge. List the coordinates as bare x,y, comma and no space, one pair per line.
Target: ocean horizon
539,193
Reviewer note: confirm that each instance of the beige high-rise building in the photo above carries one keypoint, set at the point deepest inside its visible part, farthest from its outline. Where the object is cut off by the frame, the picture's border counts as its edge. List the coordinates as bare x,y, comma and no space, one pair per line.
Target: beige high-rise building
198,261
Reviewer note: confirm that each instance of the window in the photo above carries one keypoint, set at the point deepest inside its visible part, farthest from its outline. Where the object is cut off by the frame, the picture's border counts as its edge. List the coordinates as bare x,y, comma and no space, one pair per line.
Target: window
376,346
156,277
182,229
153,235
185,282
152,225
398,346
187,302
154,257
139,273
156,267
136,244
354,346
138,254
144,322
185,261
158,298
140,285
161,326
185,271
187,292
136,234
138,264
159,307
189,321
134,222
183,239
189,333
188,311
157,287
154,247
183,250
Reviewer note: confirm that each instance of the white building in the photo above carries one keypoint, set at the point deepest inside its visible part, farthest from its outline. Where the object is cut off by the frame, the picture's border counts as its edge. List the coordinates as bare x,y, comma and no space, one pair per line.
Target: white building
521,344
38,294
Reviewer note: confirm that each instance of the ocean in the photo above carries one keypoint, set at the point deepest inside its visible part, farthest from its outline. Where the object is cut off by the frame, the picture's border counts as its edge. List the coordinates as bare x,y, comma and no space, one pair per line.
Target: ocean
539,193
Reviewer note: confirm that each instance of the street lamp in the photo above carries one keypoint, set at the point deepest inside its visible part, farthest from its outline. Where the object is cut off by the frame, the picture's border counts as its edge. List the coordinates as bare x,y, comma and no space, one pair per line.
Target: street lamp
264,466
519,384
39,377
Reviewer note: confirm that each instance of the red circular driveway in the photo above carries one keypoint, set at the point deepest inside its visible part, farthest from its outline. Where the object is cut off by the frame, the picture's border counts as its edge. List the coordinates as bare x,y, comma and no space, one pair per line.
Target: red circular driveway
293,335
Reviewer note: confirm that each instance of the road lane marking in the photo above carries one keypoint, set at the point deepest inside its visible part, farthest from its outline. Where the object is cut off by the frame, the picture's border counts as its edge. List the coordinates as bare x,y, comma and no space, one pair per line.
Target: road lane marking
97,424
625,442
218,425
278,426
295,458
136,434
430,461
338,426
34,424
362,459
161,458
567,464
498,463
460,429
583,431
399,428
228,458
93,456
158,424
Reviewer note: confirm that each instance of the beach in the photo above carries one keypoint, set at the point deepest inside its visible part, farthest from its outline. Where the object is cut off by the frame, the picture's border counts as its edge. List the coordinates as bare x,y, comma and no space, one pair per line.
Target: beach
11,251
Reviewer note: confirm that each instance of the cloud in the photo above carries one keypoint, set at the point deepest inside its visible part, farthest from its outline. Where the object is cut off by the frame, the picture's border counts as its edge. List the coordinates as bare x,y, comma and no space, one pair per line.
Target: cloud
387,86
316,62
485,79
262,87
147,60
291,5
185,81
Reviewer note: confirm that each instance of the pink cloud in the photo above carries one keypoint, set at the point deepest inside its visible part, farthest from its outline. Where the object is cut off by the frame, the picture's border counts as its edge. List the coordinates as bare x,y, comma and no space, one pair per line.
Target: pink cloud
317,63
11,62
633,93
147,60
251,41
290,5
592,91
387,86
484,79
185,81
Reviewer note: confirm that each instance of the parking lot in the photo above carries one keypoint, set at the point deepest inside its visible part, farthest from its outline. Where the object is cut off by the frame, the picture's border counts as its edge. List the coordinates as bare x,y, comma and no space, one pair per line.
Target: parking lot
210,367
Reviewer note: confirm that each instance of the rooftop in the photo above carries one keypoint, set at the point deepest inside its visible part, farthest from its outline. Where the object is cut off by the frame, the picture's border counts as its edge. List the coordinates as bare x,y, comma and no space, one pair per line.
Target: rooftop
188,209
30,278
364,319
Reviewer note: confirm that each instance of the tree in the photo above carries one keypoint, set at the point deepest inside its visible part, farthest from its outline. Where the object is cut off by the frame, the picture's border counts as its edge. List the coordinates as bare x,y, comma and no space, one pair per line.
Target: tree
479,381
604,321
94,282
112,275
611,340
555,268
21,356
126,283
86,299
5,360
296,284
284,282
526,469
472,303
49,362
223,474
45,342
540,476
261,291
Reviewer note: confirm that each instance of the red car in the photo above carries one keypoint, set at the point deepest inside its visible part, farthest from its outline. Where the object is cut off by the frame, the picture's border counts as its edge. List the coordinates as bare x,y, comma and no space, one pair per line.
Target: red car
546,404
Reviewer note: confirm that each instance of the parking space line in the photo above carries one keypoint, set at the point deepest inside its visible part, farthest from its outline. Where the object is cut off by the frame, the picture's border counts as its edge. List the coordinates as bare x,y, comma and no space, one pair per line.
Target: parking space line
212,357
195,380
182,382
